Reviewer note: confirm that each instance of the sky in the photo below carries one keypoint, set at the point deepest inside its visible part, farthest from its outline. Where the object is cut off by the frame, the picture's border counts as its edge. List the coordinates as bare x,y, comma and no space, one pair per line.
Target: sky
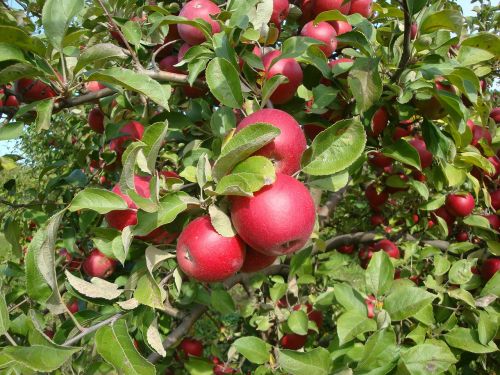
7,147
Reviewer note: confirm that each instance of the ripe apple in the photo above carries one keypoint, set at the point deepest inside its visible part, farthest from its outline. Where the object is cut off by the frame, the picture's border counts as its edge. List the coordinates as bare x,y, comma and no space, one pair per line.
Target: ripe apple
32,90
320,6
172,35
222,369
288,67
495,161
363,7
341,27
415,218
10,101
460,204
424,154
478,133
312,130
400,132
198,9
96,120
94,86
191,347
489,268
275,206
379,160
293,341
120,219
98,265
287,148
388,246
307,11
132,131
377,220
375,199
255,261
370,306
324,32
73,306
205,255
159,236
167,64
494,221
346,249
495,199
462,236
495,114
379,121
72,264
444,214
280,11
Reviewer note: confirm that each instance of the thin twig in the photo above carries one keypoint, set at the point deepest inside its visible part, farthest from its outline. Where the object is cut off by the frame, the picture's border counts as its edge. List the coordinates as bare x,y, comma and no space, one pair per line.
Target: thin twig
88,331
10,339
25,205
405,57
155,53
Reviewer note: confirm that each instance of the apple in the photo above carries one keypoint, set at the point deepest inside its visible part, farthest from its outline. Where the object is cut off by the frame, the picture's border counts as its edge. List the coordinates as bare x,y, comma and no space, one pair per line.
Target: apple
172,35
169,174
205,255
73,306
32,90
388,246
159,236
96,120
419,176
72,264
363,7
432,108
320,6
287,148
379,121
415,218
133,131
424,154
98,265
120,219
324,32
495,161
49,333
495,199
183,50
341,27
312,130
478,133
275,206
489,268
222,369
413,31
375,199
462,236
370,306
307,11
288,67
198,9
94,86
167,64
255,261
430,223
494,221
400,132
495,114
460,204
10,101
346,249
191,347
280,11
379,160
444,214
293,341
377,220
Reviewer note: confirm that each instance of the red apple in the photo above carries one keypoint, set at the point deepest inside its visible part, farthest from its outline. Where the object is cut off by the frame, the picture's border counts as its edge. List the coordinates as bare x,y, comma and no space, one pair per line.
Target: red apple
324,32
287,148
495,161
419,176
312,130
379,160
222,369
478,133
11,101
424,154
415,218
341,27
444,214
94,86
277,207
280,11
432,108
205,255
96,120
462,236
377,220
293,341
320,6
400,132
375,199
307,11
495,199
73,306
388,246
346,249
460,204
494,221
159,236
167,64
132,131
255,261
379,121
98,265
198,9
363,7
32,90
495,114
288,67
489,268
191,347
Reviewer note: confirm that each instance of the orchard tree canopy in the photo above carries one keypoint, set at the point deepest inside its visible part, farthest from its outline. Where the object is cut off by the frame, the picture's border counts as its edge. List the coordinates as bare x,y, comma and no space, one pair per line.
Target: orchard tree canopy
305,187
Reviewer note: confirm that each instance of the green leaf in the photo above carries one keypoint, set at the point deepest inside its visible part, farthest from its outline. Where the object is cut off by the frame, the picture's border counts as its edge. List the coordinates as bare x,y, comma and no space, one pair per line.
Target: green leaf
335,148
447,19
253,349
39,357
432,357
43,114
404,152
478,47
353,323
492,287
16,71
379,273
365,82
349,298
222,121
99,52
132,32
99,200
15,36
270,85
474,158
298,322
405,301
477,221
420,188
462,295
467,339
331,183
222,301
114,344
224,83
11,130
487,327
242,145
9,52
56,18
380,352
154,339
133,81
221,222
97,288
316,361
199,366
460,272
4,316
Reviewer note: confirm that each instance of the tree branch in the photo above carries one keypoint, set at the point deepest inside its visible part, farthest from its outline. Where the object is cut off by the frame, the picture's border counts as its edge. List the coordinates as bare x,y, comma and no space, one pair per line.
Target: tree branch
25,205
88,331
349,239
405,57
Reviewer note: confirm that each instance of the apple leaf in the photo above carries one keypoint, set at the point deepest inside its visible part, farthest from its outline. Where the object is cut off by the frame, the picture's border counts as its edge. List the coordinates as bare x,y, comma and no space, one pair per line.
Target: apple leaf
316,361
224,83
405,301
365,82
56,17
98,52
99,200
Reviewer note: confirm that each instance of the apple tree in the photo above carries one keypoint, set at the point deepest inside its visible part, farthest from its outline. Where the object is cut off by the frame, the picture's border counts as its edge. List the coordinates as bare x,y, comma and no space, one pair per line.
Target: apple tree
249,187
